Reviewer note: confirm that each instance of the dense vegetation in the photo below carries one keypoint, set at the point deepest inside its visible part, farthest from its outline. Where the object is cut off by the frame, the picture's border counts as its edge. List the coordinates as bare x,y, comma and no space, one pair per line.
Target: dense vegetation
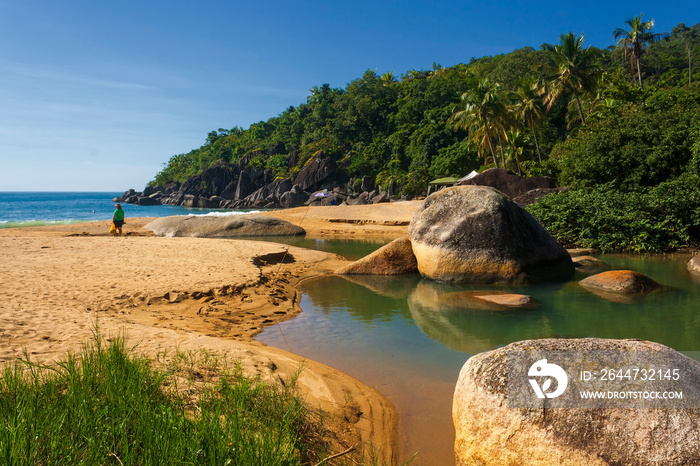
615,125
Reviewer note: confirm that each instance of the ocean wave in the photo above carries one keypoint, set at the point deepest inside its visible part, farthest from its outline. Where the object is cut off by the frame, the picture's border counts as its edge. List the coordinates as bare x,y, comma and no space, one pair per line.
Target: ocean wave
227,213
36,223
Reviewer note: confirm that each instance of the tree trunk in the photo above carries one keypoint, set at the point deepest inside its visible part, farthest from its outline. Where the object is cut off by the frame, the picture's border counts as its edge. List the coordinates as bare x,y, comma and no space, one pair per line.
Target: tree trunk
632,67
517,163
493,151
503,155
537,144
690,67
580,109
639,72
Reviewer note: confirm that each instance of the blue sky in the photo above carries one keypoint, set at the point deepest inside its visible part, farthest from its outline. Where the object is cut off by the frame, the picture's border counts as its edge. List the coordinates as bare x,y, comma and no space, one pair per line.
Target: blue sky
97,95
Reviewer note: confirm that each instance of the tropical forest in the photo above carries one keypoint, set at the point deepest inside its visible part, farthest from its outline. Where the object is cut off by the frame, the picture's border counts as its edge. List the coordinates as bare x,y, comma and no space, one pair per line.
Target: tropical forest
619,128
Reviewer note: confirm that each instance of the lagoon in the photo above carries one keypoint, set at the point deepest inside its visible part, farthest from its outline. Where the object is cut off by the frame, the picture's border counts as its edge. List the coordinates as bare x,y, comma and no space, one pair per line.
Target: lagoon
388,332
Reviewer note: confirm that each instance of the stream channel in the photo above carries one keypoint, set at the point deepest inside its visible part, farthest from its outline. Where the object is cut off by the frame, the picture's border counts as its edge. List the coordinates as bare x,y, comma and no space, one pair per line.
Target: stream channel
389,332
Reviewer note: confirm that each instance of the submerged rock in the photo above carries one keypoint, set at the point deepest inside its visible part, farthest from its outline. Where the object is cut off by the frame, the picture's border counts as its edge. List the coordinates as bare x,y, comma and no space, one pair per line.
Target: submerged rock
475,234
625,282
227,226
489,431
395,258
589,264
581,252
507,300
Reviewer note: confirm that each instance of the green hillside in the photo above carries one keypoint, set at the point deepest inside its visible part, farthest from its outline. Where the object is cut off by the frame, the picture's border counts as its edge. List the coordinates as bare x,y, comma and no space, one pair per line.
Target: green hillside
614,125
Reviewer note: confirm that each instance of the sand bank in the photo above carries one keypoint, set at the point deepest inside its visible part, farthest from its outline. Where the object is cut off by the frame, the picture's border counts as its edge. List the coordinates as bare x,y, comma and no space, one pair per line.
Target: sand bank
188,294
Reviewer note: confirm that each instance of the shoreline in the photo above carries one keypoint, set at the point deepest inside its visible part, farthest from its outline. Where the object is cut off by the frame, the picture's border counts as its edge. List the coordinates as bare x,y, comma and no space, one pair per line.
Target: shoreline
163,295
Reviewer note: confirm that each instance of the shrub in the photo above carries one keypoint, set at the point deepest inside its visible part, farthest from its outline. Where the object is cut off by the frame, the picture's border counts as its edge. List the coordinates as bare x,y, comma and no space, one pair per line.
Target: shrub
658,219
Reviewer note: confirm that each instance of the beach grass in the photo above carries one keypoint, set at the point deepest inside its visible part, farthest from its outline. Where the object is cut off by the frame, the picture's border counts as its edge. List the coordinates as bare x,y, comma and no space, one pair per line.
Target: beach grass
109,406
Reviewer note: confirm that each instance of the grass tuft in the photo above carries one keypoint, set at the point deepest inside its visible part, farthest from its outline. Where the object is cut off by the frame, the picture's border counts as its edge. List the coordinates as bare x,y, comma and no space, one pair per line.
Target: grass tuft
109,406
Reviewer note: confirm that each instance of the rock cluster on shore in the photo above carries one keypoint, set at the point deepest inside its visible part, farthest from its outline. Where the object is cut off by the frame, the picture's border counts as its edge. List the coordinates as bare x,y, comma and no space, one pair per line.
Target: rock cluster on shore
243,186
473,234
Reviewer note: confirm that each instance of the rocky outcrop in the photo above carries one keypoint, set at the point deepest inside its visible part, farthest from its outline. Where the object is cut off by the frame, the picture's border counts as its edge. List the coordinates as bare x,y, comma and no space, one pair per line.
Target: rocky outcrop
228,226
490,431
509,183
589,264
320,167
395,258
625,282
245,185
211,182
694,264
367,184
295,197
475,234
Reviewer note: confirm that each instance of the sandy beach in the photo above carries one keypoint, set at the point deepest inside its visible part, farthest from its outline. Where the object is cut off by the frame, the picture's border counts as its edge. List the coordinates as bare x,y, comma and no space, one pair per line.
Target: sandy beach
189,294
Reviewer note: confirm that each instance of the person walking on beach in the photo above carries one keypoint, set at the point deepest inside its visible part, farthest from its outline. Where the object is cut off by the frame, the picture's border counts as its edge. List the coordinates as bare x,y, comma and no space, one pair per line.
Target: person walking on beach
118,219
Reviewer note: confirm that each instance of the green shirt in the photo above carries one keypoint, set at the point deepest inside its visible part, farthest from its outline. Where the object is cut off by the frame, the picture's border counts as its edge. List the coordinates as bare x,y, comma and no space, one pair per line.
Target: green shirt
118,215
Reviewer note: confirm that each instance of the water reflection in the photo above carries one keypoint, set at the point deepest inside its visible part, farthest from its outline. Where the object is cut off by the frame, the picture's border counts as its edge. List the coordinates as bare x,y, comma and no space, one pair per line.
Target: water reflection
409,337
351,249
445,316
450,315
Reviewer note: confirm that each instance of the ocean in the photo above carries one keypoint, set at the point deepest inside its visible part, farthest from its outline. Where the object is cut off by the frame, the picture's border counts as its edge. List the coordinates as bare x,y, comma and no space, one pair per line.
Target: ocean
21,209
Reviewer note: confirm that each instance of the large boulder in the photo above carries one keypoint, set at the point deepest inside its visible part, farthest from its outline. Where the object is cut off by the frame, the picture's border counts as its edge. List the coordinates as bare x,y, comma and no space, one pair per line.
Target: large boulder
295,197
475,234
226,226
492,428
244,187
395,258
509,183
279,187
259,197
320,167
211,182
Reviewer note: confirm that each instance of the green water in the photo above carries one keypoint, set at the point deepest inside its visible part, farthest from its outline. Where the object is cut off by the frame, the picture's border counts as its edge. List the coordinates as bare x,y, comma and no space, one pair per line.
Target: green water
392,333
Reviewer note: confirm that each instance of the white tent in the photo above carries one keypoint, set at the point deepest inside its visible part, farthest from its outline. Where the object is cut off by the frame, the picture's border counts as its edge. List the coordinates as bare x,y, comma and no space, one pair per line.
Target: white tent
469,176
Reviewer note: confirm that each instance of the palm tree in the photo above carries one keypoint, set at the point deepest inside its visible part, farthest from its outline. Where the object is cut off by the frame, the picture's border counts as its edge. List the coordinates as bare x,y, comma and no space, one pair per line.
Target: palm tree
635,39
388,78
483,116
571,70
529,111
518,144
